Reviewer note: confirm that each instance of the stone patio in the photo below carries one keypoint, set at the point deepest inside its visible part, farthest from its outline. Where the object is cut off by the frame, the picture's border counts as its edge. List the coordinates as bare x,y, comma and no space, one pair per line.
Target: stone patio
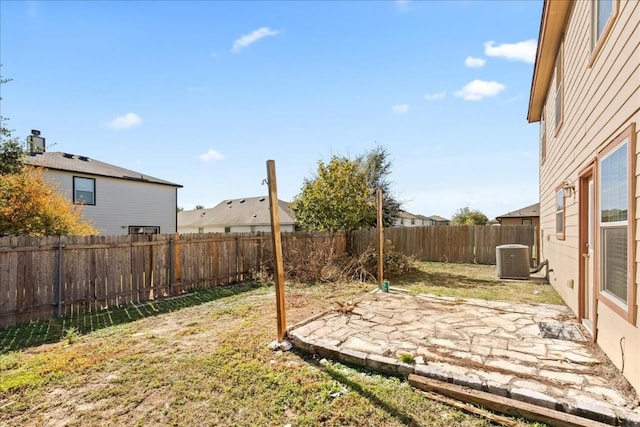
497,347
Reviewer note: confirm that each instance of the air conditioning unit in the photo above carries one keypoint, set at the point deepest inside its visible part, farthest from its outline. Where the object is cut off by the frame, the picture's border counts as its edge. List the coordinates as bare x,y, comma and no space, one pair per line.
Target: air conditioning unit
512,261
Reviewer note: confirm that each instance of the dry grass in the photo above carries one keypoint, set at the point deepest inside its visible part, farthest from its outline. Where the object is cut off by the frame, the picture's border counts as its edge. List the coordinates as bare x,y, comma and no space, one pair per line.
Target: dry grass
200,360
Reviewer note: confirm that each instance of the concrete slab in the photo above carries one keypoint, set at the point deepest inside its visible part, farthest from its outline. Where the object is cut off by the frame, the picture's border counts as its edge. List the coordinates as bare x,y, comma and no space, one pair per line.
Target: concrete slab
493,346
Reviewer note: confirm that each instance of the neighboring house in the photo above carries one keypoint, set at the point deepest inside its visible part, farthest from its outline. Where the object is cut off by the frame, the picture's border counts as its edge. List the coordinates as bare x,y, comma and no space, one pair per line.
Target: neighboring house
407,219
527,215
438,220
236,216
585,94
116,200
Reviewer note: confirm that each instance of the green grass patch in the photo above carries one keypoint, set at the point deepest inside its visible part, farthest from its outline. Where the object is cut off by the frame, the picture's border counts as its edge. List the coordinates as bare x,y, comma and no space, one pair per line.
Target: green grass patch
474,281
204,360
72,327
407,358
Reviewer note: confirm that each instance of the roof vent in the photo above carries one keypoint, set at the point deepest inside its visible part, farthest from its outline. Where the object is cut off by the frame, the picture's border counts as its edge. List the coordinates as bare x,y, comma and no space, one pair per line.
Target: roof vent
242,201
512,261
84,158
261,199
67,155
228,202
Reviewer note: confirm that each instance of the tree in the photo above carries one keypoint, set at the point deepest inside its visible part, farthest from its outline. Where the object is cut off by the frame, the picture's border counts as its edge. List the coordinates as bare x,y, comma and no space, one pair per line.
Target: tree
377,167
30,206
466,216
337,198
11,154
341,195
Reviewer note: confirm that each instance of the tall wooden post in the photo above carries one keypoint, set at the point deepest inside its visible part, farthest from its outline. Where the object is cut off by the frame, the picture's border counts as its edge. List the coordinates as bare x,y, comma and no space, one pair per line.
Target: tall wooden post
277,249
380,238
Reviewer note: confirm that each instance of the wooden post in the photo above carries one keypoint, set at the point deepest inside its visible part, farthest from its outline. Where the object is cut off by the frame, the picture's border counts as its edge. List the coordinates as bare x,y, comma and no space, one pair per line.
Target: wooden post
277,249
380,238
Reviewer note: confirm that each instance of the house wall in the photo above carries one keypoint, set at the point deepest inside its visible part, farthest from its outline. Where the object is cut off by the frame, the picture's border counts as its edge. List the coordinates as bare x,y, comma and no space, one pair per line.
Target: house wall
123,203
235,229
535,221
601,100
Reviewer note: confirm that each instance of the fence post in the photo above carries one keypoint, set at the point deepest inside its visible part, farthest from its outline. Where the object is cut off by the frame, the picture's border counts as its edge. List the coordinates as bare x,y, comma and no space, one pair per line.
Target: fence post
238,259
171,265
59,280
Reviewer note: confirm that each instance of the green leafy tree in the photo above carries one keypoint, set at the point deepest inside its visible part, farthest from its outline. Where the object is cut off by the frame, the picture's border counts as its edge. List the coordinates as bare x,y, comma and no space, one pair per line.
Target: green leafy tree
342,194
377,167
466,216
11,155
337,198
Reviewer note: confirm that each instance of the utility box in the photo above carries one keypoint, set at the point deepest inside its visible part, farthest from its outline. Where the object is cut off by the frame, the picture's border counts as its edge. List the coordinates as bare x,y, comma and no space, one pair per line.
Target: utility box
513,261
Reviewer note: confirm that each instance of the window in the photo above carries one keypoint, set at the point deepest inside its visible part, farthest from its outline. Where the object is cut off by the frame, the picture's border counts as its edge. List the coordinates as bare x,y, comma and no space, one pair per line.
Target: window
527,221
560,213
227,229
559,87
84,190
201,230
602,10
603,14
137,229
617,285
543,139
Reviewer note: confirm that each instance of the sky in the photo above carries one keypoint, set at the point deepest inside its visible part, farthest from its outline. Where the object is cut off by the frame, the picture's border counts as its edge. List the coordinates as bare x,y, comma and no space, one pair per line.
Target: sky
203,93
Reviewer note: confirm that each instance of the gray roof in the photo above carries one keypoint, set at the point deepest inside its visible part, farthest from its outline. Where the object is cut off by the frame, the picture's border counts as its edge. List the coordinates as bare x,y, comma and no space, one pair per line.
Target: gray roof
438,218
247,211
526,212
405,214
82,164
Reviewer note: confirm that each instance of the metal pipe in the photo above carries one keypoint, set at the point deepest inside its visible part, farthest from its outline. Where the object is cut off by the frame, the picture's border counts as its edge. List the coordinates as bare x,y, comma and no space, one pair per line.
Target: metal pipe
537,268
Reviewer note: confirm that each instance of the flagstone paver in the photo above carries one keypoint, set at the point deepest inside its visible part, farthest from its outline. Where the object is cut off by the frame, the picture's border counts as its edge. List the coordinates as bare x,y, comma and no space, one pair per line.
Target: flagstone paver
494,346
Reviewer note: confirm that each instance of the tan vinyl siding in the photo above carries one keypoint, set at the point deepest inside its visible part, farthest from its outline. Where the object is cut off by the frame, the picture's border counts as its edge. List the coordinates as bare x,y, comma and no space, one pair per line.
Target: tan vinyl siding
601,100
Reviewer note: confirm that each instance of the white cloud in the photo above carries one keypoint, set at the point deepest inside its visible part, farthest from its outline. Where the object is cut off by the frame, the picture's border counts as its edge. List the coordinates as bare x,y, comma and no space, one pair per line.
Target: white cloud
400,108
129,120
479,89
249,39
522,51
434,96
473,62
210,155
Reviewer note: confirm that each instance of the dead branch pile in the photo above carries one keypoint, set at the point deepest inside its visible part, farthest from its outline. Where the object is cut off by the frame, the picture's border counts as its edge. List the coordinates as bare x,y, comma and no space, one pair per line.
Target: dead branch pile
318,261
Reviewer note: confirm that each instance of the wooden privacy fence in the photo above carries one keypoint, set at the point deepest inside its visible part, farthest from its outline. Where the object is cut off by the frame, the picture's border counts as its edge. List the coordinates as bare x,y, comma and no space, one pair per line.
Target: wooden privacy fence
58,276
467,243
